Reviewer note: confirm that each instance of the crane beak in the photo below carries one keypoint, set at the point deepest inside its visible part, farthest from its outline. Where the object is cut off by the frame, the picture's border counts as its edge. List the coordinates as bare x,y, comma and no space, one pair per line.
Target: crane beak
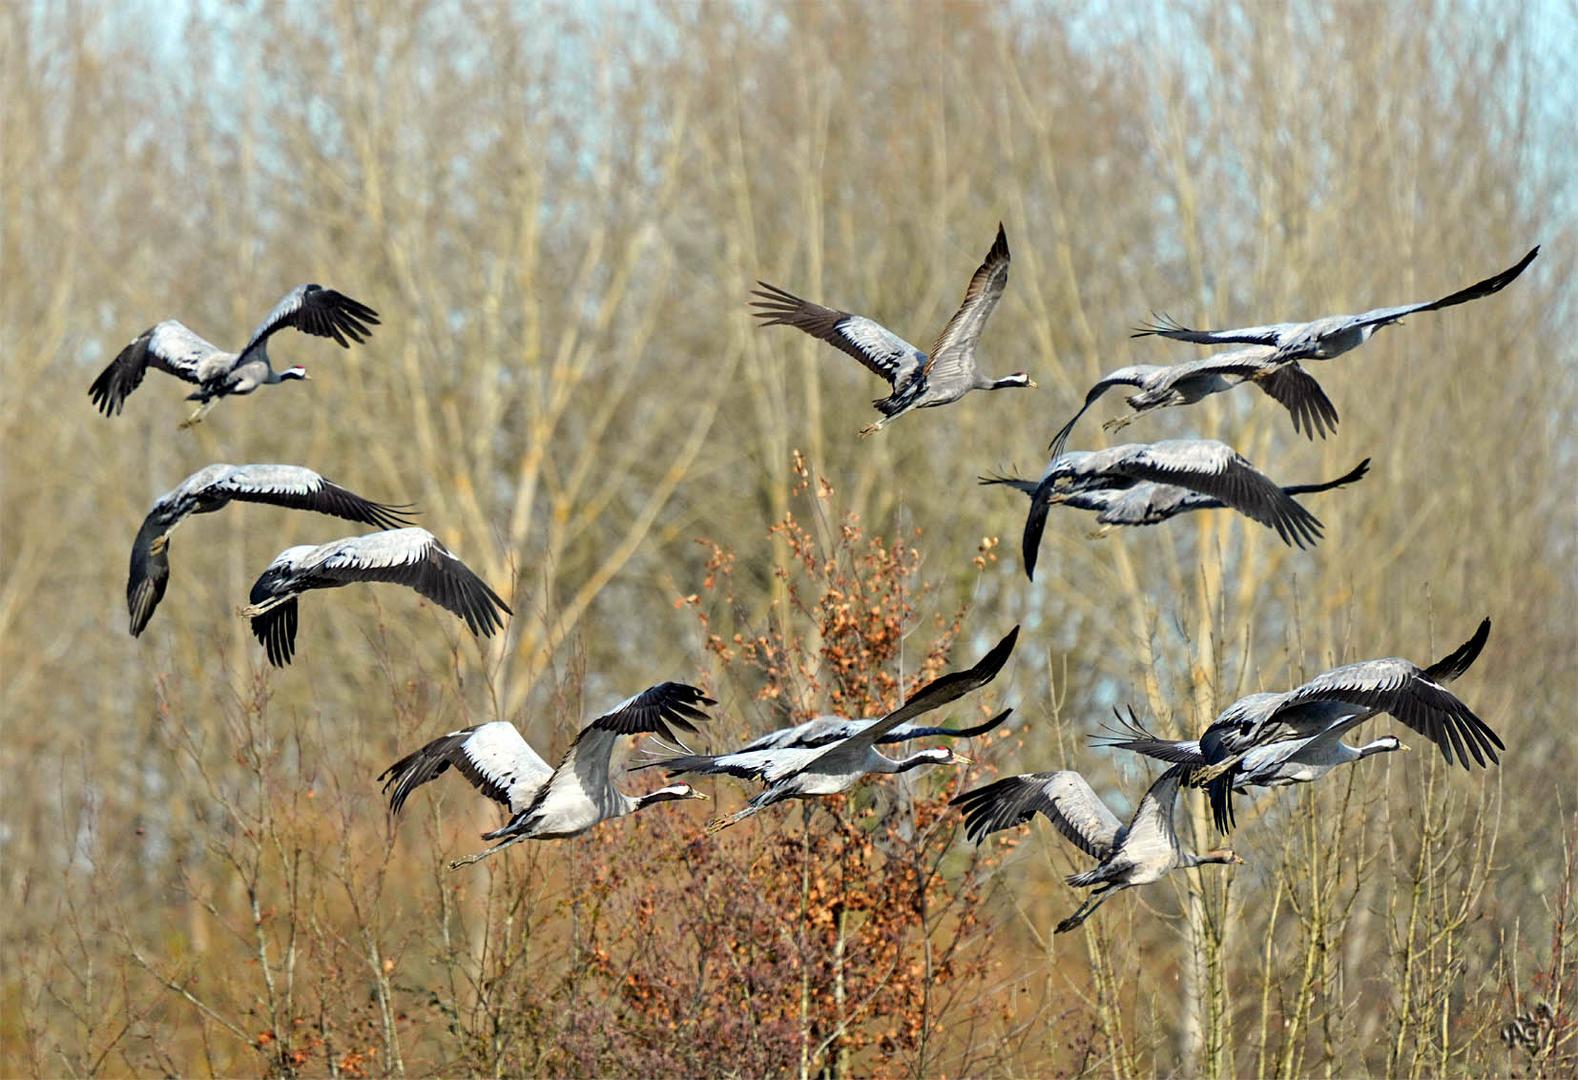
1404,746
960,759
1032,384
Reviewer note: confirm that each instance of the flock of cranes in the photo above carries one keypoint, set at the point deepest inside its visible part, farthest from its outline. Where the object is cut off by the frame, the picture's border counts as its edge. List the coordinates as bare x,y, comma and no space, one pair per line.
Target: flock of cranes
1263,740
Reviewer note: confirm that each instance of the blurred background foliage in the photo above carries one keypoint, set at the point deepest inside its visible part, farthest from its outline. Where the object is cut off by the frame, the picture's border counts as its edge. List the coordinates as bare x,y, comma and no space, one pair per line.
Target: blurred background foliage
559,211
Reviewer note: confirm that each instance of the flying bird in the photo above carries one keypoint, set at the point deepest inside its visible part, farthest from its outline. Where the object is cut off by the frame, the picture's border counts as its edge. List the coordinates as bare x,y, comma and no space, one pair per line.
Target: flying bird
544,803
814,772
825,730
1204,466
1332,335
211,488
411,557
1150,503
919,380
176,350
1143,851
1185,383
1341,698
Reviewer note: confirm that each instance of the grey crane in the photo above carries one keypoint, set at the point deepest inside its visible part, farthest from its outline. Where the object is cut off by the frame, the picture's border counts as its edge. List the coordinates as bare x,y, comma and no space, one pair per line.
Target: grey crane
411,557
919,380
1339,699
213,487
1143,851
1185,383
814,772
552,804
176,350
1150,503
1204,466
826,730
1331,335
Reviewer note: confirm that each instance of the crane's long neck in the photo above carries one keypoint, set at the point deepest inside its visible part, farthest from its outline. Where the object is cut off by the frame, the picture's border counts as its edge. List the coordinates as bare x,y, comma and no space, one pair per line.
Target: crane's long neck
1220,855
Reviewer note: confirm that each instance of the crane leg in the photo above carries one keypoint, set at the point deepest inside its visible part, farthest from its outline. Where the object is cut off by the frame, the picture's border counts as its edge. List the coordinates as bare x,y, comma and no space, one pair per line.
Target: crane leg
1099,534
494,850
717,825
1092,902
1118,423
197,415
871,429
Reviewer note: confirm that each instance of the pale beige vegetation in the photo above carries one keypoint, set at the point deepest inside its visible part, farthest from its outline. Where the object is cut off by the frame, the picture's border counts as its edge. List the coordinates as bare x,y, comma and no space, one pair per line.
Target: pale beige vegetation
559,214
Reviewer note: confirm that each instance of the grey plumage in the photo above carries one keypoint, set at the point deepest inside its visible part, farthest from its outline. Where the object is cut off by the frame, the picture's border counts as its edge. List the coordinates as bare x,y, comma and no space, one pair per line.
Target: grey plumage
1331,335
825,730
411,557
580,793
798,772
1151,503
1143,851
1205,466
1159,387
215,486
1334,699
919,380
176,350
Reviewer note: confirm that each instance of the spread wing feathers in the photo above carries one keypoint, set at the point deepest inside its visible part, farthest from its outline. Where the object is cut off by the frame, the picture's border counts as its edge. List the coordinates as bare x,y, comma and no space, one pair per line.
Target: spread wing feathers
493,756
321,312
935,694
1152,829
954,352
149,573
1018,483
417,559
657,710
1215,469
168,347
302,489
275,630
1166,326
1297,391
1400,688
873,344
1129,734
1494,283
1065,798
1353,476
826,730
765,765
585,765
1460,659
1126,376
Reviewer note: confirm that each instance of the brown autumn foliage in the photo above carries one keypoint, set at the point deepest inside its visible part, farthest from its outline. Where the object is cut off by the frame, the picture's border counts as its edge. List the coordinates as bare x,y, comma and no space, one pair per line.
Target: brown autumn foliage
559,210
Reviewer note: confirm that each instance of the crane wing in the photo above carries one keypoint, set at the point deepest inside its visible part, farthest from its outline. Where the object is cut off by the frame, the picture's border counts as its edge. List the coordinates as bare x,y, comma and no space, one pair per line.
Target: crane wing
873,344
1151,830
415,558
1215,469
149,572
953,354
321,312
168,347
1493,284
1130,734
1065,798
1402,689
302,489
935,694
657,710
1167,327
493,757
1297,391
